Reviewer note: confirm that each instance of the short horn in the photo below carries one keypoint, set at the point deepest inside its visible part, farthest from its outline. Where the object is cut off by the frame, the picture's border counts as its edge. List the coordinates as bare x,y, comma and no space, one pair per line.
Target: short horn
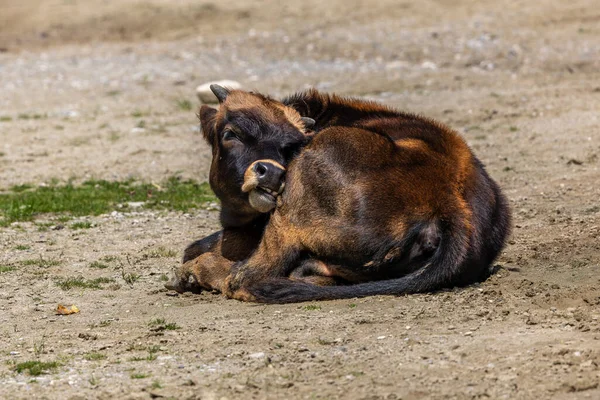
220,92
308,122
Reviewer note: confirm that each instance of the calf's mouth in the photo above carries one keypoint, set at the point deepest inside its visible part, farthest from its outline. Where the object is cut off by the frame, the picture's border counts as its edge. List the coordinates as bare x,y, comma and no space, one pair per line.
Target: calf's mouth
264,182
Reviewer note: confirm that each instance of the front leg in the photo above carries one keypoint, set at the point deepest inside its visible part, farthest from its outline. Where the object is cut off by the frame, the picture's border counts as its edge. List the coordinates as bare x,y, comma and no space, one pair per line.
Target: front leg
209,271
180,277
230,244
233,243
199,247
276,256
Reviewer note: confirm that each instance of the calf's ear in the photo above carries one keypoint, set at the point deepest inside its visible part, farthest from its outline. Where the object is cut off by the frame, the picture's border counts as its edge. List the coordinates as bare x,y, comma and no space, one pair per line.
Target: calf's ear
207,117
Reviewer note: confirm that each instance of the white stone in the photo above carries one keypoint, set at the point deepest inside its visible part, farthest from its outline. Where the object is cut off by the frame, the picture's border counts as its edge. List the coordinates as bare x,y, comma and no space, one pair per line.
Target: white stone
428,65
205,95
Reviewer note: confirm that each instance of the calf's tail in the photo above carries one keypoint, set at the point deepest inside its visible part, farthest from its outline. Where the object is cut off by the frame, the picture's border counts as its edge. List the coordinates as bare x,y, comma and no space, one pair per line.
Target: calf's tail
443,267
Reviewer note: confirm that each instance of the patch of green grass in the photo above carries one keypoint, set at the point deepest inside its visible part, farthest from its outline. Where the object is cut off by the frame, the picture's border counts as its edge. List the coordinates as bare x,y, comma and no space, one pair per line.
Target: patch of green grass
139,375
110,258
160,324
22,247
79,141
356,373
136,347
81,225
130,277
311,307
101,324
59,127
82,283
113,93
35,368
163,278
156,385
161,252
25,116
593,209
137,114
95,356
513,129
24,203
149,357
352,305
114,136
157,321
2,154
5,118
324,342
44,226
578,263
6,268
184,104
153,349
40,262
98,265
21,188
141,124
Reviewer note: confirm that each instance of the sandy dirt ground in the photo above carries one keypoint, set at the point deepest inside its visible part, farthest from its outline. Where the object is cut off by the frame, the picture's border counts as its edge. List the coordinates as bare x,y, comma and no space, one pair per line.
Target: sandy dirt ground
92,89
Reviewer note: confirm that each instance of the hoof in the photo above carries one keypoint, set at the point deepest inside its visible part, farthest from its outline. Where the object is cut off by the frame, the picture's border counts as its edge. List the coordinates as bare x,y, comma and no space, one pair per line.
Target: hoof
177,284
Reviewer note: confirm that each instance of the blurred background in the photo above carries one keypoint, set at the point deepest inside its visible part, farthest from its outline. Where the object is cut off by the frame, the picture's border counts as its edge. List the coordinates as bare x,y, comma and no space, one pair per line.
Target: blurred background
132,66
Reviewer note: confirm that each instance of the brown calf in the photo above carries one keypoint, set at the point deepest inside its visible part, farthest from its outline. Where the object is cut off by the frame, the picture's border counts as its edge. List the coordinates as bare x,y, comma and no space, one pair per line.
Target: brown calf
376,202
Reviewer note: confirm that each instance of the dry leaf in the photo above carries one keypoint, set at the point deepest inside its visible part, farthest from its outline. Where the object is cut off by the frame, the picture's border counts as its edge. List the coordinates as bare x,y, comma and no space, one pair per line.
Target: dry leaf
62,310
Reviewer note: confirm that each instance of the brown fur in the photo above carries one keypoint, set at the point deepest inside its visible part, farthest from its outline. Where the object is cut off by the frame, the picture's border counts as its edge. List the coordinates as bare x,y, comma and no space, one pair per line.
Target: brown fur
379,202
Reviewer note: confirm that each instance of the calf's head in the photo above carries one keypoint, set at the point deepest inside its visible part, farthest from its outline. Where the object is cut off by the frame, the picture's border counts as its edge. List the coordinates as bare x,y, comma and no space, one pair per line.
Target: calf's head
253,138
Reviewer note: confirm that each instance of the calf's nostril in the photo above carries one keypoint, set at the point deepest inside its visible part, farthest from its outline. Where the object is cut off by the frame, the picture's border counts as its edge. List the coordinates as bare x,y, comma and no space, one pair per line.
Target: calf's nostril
260,169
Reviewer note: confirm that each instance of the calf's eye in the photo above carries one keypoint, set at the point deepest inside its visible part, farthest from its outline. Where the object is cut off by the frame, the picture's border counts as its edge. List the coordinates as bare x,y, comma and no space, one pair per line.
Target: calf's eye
230,135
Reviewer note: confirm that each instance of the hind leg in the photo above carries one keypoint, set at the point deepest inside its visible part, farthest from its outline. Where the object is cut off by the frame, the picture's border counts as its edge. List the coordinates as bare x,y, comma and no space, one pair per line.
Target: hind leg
315,272
426,242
